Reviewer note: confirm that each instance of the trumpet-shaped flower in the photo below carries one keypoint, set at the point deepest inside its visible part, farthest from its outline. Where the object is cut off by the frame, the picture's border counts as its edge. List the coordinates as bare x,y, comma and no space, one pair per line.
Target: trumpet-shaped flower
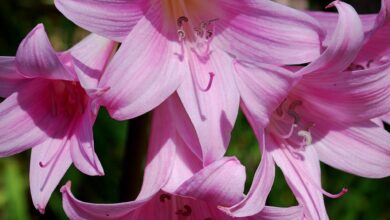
326,116
176,183
191,47
48,107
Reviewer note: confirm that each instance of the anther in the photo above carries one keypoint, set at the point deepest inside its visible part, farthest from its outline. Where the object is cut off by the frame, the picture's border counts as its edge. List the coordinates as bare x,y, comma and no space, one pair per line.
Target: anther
209,34
164,197
306,136
186,212
180,20
181,34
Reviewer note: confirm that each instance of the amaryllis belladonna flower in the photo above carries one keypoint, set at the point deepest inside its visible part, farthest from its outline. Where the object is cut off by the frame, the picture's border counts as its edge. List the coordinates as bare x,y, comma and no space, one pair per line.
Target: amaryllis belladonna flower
190,47
176,183
325,116
48,107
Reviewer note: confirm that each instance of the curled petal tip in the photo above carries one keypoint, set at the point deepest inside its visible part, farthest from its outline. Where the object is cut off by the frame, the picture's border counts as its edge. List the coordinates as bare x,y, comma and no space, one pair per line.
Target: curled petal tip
66,187
332,4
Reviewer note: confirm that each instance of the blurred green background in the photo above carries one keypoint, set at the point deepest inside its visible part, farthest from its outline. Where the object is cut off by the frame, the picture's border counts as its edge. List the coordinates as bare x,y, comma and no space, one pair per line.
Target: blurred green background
122,145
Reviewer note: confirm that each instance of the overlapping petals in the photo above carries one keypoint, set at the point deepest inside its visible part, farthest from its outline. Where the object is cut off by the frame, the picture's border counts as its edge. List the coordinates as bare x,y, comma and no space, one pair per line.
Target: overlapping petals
48,110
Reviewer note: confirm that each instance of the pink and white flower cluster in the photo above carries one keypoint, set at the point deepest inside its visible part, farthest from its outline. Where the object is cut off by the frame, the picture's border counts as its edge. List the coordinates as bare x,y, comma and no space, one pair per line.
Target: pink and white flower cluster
314,86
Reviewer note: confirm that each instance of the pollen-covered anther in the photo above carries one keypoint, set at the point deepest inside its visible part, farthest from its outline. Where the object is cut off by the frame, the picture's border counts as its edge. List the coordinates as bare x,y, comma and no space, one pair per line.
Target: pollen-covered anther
180,20
306,136
186,212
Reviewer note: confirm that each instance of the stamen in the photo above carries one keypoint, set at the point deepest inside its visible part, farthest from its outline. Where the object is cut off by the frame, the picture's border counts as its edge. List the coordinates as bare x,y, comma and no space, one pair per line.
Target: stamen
211,79
292,113
186,212
196,80
180,20
54,159
54,156
181,34
306,136
312,182
335,196
285,136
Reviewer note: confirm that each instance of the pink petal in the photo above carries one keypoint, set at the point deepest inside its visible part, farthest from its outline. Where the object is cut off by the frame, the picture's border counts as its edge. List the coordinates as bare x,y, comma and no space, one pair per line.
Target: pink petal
262,89
90,57
184,127
77,210
161,153
302,170
268,32
144,71
10,79
347,96
276,213
82,148
220,183
361,148
54,155
378,43
328,21
344,45
36,57
254,202
185,165
213,112
110,18
25,120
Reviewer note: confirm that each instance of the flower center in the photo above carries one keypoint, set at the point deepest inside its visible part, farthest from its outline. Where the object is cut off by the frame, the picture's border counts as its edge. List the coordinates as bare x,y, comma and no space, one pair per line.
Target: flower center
67,98
289,127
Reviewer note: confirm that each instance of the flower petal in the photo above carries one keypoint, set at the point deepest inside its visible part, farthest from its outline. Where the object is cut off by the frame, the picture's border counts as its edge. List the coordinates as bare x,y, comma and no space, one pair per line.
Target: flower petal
159,165
361,148
144,71
110,18
213,112
378,43
347,96
301,170
183,125
267,32
220,183
36,57
25,120
10,79
254,202
161,153
90,57
82,148
276,213
185,165
262,88
346,42
77,210
49,162
328,21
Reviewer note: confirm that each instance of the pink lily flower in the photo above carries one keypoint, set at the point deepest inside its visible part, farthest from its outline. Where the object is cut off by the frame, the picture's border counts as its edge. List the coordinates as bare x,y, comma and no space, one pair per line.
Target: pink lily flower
176,183
297,137
48,107
191,47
